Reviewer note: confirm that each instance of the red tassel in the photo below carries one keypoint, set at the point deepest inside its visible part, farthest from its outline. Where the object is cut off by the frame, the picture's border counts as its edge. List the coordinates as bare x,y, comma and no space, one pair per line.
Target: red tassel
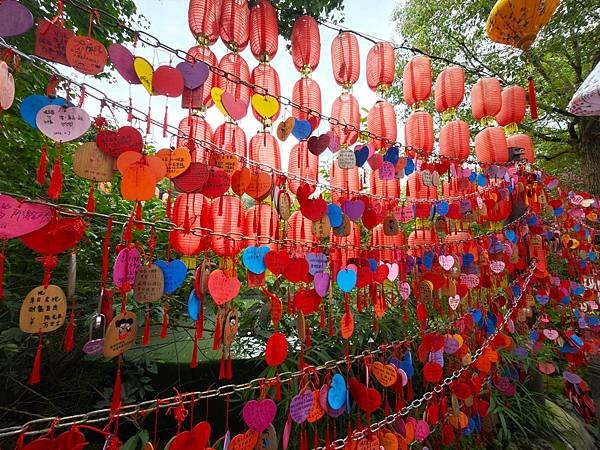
222,366
138,217
277,390
41,172
70,333
116,398
308,339
20,441
148,120
146,338
217,334
533,111
56,180
194,361
165,121
35,378
91,203
229,371
322,321
130,112
165,323
200,321
106,305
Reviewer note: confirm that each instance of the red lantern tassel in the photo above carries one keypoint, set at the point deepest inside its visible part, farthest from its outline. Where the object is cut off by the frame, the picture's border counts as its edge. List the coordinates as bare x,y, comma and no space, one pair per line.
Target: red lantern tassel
70,333
165,323
533,111
146,338
56,180
35,378
194,361
41,172
229,371
20,441
91,203
217,334
222,366
139,216
200,321
116,398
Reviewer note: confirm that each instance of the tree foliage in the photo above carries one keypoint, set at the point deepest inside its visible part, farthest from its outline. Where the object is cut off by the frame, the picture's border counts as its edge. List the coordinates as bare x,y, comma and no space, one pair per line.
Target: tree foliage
563,55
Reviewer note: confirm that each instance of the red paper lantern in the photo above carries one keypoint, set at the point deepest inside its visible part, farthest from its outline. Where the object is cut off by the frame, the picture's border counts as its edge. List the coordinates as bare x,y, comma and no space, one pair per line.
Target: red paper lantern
264,32
228,217
491,146
381,66
418,132
262,222
267,78
345,109
455,140
381,121
381,243
230,137
422,237
486,98
417,190
204,19
522,141
416,80
264,149
449,88
235,24
454,188
345,59
307,93
190,211
344,248
300,233
457,236
235,64
306,44
303,164
390,189
514,106
195,127
346,182
200,98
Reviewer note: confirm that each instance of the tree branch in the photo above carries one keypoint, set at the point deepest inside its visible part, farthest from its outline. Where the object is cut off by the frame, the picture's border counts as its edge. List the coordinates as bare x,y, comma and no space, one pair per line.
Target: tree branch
551,157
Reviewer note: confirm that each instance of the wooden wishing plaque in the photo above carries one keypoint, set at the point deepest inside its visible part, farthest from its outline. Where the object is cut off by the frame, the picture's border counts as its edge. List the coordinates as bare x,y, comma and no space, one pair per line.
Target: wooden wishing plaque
51,41
93,164
43,310
149,284
120,334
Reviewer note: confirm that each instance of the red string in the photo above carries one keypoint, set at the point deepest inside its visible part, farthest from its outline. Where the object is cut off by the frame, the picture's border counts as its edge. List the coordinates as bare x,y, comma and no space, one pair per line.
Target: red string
116,398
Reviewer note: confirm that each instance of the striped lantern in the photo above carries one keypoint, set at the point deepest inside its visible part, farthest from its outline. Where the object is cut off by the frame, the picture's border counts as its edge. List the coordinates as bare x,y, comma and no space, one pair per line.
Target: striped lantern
190,211
416,81
204,18
228,217
346,180
381,66
307,93
345,59
418,132
381,121
195,127
380,243
230,137
300,234
389,189
265,76
235,64
264,32
449,89
303,164
514,106
262,223
306,44
455,140
264,149
491,146
235,24
344,248
486,98
345,109
416,190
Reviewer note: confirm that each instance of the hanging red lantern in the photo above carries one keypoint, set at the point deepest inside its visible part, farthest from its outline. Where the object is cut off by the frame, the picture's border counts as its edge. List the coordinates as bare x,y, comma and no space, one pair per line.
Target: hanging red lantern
307,93
306,44
300,233
345,109
264,32
235,24
486,98
455,188
491,146
455,140
302,164
236,65
231,138
262,223
523,141
381,121
344,248
449,88
267,78
264,149
418,132
457,236
345,59
381,66
416,81
422,237
228,221
389,189
416,190
514,106
204,19
345,181
387,248
200,97
190,211
196,128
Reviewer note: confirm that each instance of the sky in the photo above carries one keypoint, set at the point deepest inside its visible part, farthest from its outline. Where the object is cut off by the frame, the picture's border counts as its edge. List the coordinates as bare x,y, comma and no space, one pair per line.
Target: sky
168,21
